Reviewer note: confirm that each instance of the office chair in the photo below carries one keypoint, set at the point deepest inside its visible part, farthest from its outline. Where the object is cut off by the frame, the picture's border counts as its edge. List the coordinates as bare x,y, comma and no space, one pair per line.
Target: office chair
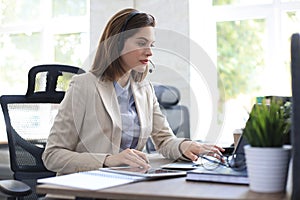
177,115
28,119
14,188
295,70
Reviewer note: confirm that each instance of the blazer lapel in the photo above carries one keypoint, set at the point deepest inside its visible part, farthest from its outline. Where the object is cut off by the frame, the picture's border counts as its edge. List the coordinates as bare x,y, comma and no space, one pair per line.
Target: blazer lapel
107,93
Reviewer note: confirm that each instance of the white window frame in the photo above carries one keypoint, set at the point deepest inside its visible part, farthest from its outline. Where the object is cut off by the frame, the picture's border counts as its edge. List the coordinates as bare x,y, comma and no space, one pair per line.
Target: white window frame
48,27
204,17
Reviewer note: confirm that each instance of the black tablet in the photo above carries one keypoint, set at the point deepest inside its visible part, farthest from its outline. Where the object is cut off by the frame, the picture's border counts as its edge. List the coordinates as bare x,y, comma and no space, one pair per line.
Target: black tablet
152,173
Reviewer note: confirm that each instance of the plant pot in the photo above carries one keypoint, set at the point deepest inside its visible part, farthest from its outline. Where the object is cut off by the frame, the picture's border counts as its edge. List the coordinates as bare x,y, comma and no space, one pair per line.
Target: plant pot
267,168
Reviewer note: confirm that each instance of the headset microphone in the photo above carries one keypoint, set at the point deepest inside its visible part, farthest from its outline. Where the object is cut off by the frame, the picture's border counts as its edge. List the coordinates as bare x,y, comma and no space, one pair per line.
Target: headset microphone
151,70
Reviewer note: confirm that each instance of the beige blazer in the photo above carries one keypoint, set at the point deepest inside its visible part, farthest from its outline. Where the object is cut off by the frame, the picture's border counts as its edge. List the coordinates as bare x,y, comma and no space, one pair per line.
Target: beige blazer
88,125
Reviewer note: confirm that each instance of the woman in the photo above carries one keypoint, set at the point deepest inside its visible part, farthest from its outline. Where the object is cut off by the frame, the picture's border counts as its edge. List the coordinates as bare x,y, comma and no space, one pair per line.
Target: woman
108,113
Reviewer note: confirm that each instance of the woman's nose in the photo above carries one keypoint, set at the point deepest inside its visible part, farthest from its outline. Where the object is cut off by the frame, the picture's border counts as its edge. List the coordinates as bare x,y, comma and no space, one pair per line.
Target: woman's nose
148,51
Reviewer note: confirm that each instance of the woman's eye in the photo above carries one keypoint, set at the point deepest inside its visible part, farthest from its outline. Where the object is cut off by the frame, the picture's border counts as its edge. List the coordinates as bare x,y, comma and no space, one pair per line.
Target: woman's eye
141,44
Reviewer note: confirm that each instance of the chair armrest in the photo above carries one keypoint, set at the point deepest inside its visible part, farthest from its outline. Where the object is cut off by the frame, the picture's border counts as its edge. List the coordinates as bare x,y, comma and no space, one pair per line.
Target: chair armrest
14,188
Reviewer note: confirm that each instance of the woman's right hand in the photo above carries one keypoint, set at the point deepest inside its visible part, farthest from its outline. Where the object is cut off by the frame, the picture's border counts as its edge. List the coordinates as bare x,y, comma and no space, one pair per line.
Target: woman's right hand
131,157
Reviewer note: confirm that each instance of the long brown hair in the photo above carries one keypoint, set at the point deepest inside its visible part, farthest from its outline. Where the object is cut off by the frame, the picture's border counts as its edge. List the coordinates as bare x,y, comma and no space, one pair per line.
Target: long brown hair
107,62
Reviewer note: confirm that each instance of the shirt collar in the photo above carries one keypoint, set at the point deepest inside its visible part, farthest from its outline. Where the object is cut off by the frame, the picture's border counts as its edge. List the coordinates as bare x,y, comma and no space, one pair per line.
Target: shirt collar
119,89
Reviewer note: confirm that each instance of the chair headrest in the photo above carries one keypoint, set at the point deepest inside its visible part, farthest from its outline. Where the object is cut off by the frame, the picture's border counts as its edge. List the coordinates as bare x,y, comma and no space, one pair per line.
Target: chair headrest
167,95
53,71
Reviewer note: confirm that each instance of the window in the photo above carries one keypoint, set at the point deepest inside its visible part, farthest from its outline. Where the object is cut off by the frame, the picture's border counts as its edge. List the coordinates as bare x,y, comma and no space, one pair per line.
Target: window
34,32
249,42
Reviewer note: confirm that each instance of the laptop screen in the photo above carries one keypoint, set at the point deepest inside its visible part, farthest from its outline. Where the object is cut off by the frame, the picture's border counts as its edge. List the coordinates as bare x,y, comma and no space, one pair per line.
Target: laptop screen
238,156
240,146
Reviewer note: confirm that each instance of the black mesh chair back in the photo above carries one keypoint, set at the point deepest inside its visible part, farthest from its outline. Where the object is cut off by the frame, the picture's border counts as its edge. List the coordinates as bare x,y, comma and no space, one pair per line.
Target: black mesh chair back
177,115
28,119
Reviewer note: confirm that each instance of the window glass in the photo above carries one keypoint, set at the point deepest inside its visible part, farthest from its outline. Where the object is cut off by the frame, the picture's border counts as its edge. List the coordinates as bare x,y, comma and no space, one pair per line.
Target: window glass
252,52
290,24
18,11
69,8
290,0
240,62
70,48
24,42
240,2
17,52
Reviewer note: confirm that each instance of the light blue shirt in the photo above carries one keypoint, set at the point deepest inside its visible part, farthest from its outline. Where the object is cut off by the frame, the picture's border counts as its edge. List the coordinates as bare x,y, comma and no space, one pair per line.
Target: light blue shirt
130,120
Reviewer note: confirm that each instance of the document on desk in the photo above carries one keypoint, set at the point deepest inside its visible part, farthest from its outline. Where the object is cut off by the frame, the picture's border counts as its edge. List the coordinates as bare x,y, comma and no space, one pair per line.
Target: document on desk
91,180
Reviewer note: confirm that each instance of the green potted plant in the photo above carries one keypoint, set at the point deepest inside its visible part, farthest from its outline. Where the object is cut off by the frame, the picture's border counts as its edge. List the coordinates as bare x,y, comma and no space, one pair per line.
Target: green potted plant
266,155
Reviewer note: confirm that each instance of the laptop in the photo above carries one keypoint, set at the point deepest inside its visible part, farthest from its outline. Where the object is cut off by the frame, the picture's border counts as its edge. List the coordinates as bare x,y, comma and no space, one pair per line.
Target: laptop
237,159
233,171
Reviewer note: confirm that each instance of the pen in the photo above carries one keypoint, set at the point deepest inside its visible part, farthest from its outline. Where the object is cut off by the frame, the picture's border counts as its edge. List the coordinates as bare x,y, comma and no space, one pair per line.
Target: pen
196,165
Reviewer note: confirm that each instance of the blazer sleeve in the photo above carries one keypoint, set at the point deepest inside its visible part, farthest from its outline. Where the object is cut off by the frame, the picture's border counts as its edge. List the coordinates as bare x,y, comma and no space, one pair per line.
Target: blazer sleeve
163,137
60,154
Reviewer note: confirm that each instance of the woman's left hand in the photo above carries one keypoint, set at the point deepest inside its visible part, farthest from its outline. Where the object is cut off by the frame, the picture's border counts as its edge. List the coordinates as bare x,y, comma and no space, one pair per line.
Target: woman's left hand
192,150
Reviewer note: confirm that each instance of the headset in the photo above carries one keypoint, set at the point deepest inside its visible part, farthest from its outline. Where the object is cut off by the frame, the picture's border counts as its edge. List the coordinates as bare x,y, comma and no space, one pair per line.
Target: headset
121,37
153,67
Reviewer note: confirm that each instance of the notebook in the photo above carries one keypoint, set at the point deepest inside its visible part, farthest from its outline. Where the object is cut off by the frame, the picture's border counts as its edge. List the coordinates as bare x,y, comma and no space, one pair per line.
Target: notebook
91,180
221,175
109,177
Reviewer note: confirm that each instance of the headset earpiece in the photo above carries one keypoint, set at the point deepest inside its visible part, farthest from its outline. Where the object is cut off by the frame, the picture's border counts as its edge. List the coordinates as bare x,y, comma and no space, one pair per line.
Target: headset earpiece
121,34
